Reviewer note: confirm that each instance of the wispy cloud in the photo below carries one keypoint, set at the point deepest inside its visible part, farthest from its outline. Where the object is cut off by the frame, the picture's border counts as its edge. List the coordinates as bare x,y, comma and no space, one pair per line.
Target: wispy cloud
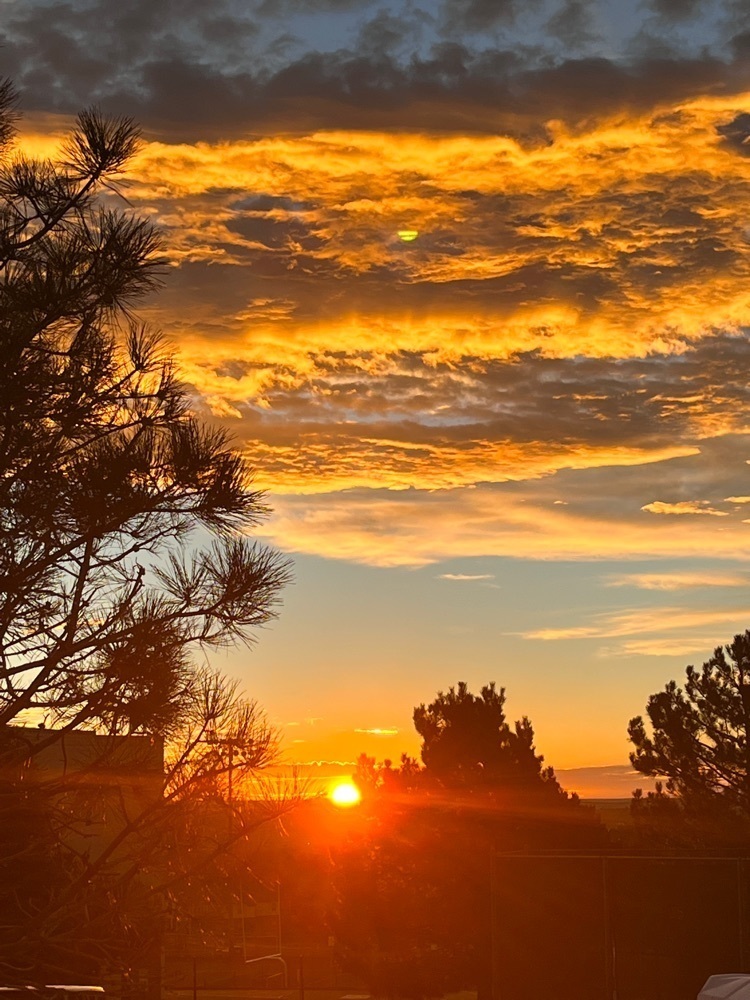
683,507
638,621
677,581
665,646
418,527
466,577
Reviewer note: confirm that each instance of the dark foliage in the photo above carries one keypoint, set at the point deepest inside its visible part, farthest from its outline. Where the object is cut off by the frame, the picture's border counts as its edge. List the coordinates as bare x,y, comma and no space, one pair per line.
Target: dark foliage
415,887
124,547
698,742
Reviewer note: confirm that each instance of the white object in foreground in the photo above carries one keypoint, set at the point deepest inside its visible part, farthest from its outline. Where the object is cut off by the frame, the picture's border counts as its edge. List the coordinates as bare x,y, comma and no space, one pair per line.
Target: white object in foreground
733,986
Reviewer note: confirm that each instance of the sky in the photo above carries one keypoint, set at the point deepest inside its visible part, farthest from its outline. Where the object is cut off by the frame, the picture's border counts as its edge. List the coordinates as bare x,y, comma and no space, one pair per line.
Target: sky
514,448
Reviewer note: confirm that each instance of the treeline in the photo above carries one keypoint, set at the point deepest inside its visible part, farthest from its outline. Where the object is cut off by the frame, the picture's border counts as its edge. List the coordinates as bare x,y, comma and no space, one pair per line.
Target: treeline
474,869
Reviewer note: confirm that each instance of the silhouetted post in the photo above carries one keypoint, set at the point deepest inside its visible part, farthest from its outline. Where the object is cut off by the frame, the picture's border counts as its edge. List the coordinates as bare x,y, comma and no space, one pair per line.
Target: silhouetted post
494,988
741,914
605,906
610,970
278,913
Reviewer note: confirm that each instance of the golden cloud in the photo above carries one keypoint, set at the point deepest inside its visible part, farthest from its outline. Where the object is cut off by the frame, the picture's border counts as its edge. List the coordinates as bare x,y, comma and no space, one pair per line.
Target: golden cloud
626,238
322,465
348,360
486,208
416,528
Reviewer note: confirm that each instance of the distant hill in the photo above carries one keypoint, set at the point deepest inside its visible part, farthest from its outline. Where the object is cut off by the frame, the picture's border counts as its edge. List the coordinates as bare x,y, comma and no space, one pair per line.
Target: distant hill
608,781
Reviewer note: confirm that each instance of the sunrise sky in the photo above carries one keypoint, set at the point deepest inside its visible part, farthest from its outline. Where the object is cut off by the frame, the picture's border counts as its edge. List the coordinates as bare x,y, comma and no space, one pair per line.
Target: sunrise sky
514,448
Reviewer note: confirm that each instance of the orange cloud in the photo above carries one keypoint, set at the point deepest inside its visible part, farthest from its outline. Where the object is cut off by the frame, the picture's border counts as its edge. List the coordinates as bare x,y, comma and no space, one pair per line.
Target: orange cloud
561,222
322,466
555,225
416,528
568,306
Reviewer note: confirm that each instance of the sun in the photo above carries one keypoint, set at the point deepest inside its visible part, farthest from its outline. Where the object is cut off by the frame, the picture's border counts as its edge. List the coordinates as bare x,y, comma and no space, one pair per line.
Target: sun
344,794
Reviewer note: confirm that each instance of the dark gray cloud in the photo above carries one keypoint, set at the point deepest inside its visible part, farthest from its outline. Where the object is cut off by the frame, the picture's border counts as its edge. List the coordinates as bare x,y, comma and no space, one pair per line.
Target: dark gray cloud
269,203
737,133
136,56
286,8
391,34
677,10
460,16
291,234
223,68
574,24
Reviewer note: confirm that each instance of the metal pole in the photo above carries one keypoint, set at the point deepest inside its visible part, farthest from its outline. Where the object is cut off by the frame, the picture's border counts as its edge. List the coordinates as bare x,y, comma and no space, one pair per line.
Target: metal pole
605,903
741,914
230,827
242,915
609,937
493,915
278,913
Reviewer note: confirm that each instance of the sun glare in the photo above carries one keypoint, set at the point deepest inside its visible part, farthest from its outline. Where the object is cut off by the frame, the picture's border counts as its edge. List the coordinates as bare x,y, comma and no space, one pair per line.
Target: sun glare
344,794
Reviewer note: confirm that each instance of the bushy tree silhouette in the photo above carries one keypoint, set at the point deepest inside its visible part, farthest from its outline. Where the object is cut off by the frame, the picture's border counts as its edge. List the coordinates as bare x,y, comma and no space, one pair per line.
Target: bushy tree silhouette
697,740
414,889
124,523
467,740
